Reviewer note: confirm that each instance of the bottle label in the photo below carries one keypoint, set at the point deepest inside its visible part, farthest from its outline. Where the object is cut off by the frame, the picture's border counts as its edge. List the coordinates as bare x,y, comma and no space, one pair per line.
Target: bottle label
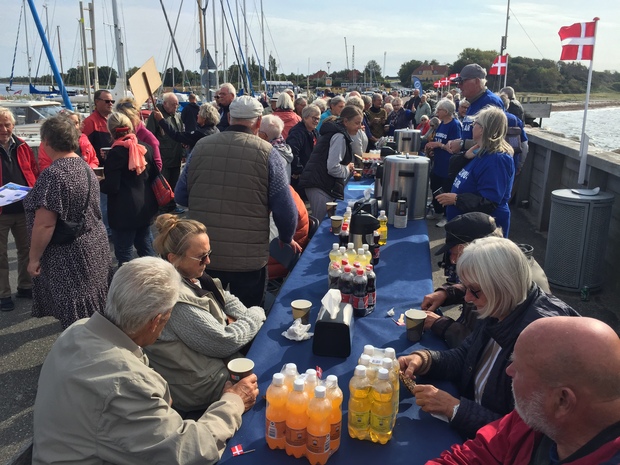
296,437
334,432
372,299
318,444
359,302
359,420
380,423
345,298
275,429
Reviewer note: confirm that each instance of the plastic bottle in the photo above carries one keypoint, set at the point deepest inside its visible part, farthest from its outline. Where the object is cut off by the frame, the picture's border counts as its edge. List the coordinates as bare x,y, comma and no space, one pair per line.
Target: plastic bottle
360,298
382,408
369,350
376,248
383,229
275,413
371,288
334,253
367,255
346,218
318,436
334,394
351,254
361,258
359,404
343,254
343,237
296,420
310,382
333,275
290,375
388,364
345,284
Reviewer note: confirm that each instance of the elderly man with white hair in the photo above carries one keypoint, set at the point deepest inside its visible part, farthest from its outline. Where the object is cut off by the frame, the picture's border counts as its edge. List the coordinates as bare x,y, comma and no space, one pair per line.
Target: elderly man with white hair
99,402
172,152
234,180
271,130
224,97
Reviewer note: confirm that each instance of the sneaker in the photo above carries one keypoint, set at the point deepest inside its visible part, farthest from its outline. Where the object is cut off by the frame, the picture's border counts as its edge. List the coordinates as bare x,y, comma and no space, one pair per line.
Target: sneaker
24,293
442,223
178,211
7,304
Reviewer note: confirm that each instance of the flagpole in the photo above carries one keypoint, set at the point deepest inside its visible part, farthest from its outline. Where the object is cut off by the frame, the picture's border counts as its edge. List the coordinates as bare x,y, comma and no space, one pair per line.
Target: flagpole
583,147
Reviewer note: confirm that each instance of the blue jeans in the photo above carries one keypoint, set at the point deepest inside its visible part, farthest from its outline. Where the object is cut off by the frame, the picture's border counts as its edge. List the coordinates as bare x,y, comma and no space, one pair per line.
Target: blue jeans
124,241
103,204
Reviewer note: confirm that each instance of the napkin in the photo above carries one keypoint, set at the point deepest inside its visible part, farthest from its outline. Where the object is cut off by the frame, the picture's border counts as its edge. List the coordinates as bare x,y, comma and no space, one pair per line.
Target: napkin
331,302
298,331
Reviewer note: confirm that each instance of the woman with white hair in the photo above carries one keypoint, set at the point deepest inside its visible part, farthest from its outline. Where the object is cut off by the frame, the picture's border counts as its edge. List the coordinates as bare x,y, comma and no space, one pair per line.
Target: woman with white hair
302,139
485,183
498,281
449,129
399,118
271,130
285,110
335,106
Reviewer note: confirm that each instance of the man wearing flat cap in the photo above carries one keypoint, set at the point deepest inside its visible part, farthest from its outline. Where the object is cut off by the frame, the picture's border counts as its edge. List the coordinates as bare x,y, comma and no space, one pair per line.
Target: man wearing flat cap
473,85
460,231
234,180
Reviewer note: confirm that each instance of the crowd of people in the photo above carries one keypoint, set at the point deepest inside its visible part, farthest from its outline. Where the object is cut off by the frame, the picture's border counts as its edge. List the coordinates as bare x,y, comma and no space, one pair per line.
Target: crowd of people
193,300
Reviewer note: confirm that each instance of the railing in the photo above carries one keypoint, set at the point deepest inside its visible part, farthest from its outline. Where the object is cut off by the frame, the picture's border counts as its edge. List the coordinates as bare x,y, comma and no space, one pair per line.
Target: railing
553,163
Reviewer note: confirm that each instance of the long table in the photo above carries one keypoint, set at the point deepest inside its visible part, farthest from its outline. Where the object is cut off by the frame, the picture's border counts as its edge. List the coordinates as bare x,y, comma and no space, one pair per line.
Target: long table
403,278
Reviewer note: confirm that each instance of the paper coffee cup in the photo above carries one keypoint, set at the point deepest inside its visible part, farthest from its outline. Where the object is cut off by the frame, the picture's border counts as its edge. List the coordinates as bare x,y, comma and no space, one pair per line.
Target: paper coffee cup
331,208
336,224
239,368
414,321
301,309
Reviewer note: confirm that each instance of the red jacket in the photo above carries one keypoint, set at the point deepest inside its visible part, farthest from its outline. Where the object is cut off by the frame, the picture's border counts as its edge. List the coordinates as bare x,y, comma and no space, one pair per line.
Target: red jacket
290,119
26,161
509,441
86,148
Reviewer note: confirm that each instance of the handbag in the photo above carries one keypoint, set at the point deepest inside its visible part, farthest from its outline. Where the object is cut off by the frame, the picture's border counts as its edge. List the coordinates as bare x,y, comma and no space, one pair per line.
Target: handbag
162,190
65,232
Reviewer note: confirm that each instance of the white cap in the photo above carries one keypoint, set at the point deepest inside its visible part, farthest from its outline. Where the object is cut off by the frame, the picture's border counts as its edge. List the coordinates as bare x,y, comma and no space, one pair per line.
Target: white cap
278,379
360,370
245,107
298,385
319,392
383,374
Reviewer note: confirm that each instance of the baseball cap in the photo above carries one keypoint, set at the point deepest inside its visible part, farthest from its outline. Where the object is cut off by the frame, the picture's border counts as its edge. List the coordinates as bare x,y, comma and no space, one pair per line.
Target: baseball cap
245,107
471,71
466,228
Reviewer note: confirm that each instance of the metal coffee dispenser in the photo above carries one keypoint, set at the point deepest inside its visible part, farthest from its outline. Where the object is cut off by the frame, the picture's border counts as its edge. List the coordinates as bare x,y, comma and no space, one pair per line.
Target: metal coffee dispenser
362,227
407,140
407,174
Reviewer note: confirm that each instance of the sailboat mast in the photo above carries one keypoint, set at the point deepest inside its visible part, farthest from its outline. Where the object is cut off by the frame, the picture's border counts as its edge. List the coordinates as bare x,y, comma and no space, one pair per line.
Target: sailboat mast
224,54
27,47
505,42
62,72
120,52
19,23
262,27
217,74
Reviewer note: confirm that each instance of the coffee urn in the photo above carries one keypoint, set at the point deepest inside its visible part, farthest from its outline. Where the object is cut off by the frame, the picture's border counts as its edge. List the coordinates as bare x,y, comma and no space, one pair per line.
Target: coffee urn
408,175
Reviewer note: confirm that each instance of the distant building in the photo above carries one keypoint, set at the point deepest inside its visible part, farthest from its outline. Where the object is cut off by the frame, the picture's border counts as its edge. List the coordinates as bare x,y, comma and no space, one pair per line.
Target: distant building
430,72
318,75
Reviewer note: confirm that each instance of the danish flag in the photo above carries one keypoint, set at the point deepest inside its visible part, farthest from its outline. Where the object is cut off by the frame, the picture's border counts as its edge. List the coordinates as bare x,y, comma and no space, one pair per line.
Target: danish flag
319,372
498,68
237,450
578,41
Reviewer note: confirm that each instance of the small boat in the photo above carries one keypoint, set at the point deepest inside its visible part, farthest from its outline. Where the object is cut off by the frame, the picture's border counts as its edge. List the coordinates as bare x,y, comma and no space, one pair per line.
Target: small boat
29,114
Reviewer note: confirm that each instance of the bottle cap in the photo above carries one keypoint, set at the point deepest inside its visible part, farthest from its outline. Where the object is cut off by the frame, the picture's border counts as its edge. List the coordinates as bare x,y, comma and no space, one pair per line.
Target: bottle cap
383,374
332,380
360,370
347,268
387,363
298,385
350,245
290,367
311,372
365,360
382,213
365,247
343,249
360,251
389,351
369,267
278,379
335,246
369,349
360,272
319,392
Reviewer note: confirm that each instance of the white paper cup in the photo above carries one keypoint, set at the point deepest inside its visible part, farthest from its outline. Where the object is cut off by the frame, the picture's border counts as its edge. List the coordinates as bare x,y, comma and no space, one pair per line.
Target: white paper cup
414,321
301,309
239,368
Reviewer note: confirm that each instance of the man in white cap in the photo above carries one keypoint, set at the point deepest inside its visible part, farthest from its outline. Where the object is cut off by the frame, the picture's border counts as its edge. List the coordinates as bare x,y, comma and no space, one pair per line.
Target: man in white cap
234,180
473,85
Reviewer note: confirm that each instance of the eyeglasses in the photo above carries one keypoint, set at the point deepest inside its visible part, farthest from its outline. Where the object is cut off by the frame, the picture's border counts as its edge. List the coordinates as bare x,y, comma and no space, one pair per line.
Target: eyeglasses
203,258
476,294
476,122
315,118
216,97
109,102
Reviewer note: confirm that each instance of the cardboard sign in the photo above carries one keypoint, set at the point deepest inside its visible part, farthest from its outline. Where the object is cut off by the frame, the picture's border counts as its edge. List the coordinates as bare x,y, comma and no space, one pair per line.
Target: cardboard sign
145,81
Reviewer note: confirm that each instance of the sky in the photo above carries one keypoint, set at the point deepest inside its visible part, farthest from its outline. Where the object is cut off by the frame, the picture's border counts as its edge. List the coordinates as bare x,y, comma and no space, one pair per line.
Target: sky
304,36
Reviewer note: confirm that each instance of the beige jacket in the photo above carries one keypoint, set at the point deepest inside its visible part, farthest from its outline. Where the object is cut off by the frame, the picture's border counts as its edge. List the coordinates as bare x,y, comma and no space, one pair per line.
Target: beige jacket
99,403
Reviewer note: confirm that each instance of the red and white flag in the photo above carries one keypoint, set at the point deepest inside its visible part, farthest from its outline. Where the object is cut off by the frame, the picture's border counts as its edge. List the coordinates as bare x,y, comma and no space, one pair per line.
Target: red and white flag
237,450
445,82
498,68
437,84
453,76
319,372
578,41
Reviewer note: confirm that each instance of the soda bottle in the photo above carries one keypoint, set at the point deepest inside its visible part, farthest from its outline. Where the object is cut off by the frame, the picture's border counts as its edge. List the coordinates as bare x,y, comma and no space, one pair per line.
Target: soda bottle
367,254
343,237
296,420
351,255
318,436
334,253
345,284
359,404
371,288
275,413
376,248
346,218
310,382
343,254
383,229
290,375
361,258
360,298
382,408
334,275
334,394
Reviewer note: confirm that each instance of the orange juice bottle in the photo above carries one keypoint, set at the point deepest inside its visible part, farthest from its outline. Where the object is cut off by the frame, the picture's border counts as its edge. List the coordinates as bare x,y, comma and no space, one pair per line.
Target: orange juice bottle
310,382
275,414
296,420
334,394
290,375
318,438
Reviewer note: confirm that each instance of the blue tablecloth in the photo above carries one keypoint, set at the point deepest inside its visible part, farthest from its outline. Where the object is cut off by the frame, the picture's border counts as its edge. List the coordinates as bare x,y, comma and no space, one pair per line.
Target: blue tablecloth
403,278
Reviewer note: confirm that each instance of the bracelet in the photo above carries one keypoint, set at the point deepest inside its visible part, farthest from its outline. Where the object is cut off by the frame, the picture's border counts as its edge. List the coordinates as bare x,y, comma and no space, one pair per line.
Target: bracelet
425,355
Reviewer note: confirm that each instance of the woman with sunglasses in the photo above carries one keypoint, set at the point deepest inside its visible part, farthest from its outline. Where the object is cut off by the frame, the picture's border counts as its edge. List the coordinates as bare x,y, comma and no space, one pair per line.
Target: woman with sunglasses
208,326
497,279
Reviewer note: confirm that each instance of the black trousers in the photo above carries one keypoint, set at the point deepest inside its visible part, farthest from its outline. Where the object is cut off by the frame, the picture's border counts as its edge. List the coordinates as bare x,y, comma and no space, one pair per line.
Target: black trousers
436,183
248,286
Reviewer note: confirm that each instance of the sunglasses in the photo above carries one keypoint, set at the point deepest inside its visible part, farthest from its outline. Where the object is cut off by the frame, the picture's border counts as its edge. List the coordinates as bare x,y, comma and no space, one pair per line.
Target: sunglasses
203,258
109,102
123,105
476,294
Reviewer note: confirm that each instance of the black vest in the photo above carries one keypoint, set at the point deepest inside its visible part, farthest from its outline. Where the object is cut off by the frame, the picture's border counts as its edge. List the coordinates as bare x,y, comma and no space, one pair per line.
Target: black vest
315,173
